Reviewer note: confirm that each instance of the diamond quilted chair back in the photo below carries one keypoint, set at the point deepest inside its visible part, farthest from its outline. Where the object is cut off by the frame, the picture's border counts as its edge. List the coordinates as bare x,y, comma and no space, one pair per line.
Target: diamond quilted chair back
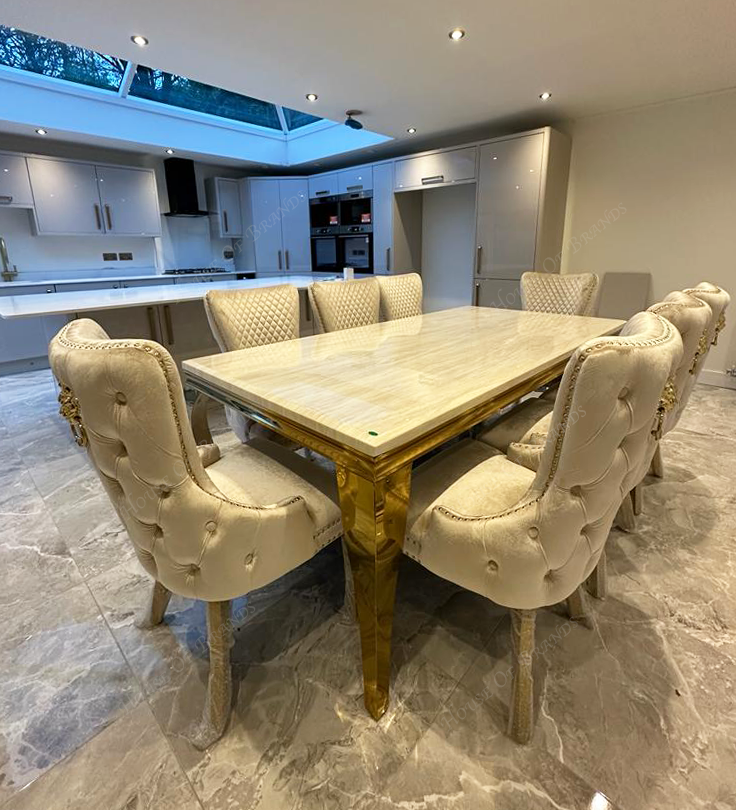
341,305
569,294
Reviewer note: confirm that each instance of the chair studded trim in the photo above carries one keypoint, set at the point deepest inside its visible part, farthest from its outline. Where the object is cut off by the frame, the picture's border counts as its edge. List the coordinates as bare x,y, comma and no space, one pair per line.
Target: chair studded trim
401,296
718,300
241,319
345,304
566,294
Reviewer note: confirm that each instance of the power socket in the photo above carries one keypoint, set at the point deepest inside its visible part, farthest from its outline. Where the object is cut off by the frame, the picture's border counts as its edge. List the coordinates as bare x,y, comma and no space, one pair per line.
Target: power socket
126,257
109,257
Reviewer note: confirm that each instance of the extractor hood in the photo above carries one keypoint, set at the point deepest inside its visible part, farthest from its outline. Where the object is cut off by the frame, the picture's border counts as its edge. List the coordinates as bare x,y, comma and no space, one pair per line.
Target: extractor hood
181,185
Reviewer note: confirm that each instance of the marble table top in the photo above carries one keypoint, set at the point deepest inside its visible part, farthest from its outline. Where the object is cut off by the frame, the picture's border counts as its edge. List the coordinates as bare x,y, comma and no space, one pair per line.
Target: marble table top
377,387
30,306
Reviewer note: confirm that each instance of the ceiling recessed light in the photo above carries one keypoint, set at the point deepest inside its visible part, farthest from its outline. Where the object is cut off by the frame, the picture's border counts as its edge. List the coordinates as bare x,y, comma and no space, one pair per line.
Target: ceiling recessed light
312,97
411,130
169,151
545,96
41,131
456,34
139,40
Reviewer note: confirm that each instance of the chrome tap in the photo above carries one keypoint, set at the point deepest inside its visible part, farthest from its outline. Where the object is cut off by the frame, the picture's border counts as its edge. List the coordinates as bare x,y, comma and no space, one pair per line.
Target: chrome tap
9,271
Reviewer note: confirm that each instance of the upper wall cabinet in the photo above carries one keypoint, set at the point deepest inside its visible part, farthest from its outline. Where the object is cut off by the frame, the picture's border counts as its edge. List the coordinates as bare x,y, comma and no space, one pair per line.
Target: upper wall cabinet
129,201
323,185
437,169
359,178
15,187
280,230
67,200
79,199
223,202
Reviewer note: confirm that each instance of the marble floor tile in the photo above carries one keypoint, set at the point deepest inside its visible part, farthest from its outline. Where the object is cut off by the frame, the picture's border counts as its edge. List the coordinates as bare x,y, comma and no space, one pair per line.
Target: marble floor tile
62,680
128,766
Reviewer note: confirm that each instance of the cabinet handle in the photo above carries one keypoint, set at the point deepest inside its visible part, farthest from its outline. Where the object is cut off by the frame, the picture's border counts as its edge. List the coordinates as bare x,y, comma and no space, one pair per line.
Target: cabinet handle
478,255
476,293
98,218
169,326
6,199
355,188
224,217
388,259
109,217
436,178
320,193
288,264
49,289
280,268
151,322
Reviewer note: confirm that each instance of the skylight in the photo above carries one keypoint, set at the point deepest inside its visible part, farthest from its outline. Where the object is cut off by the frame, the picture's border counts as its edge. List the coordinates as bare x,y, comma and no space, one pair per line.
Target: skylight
48,57
178,91
295,119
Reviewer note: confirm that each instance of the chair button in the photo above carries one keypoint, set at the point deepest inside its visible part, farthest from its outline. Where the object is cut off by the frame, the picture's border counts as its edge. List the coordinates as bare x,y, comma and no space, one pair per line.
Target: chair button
120,398
623,393
533,532
576,492
193,570
164,492
248,559
210,525
492,566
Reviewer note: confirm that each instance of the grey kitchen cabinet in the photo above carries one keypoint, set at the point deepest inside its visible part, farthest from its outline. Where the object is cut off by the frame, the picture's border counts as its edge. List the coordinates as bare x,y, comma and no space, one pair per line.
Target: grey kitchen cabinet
280,228
306,317
129,201
15,185
24,341
223,203
128,322
185,330
324,185
498,293
435,169
383,230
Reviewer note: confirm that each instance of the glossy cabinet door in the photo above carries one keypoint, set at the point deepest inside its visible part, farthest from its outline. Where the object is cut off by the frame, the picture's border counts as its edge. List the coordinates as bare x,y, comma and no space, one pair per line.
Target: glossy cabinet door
294,202
185,330
383,201
438,169
508,206
265,232
66,197
231,218
498,293
359,178
129,201
15,186
323,185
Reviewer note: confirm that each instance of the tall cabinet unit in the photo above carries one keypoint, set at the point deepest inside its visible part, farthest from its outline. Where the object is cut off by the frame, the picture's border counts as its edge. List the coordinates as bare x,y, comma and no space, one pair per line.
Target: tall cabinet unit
521,194
383,214
279,230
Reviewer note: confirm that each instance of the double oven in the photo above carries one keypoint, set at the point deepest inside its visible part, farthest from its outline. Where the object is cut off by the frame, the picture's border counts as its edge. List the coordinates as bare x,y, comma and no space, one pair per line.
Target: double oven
342,232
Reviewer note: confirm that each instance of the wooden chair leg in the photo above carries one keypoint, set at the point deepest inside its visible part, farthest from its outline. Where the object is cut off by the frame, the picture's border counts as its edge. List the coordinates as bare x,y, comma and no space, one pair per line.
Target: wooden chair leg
198,419
156,610
350,607
597,582
636,498
625,518
657,468
219,687
577,607
521,717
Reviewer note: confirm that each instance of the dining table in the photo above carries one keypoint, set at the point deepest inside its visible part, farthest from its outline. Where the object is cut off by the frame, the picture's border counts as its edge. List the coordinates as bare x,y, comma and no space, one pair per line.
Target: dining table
376,398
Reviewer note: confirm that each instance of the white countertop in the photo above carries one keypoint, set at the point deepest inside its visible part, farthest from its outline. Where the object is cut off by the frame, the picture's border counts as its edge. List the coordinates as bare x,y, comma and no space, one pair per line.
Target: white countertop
26,281
63,303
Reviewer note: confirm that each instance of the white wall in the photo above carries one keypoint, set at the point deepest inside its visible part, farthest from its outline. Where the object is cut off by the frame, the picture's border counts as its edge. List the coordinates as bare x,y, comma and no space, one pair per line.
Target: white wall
186,242
448,229
670,170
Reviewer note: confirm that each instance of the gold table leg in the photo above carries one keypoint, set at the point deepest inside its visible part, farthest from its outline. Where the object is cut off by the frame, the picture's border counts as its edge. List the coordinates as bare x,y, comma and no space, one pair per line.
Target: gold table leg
374,522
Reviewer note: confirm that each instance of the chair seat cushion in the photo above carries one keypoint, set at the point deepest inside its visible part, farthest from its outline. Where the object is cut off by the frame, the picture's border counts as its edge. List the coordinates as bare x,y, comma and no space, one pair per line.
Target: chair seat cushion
470,478
262,473
527,423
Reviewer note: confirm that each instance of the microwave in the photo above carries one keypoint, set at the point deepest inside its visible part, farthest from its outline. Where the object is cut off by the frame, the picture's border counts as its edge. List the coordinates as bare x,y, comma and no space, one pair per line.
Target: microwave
324,215
356,211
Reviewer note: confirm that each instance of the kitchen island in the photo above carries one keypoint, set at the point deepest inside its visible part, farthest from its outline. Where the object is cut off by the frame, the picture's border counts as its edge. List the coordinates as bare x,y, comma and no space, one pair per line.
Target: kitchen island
171,314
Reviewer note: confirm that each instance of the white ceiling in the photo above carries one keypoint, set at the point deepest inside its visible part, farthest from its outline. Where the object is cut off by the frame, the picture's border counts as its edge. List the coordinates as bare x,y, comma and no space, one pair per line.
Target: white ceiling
394,60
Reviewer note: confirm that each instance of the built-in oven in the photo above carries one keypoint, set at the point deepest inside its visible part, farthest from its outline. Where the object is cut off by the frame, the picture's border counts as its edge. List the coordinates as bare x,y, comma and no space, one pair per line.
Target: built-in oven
325,254
356,251
324,215
356,208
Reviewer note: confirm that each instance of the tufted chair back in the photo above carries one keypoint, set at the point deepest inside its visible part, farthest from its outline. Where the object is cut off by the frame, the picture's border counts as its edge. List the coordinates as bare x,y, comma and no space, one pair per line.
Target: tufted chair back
241,319
401,296
569,294
692,319
344,304
718,300
600,443
126,401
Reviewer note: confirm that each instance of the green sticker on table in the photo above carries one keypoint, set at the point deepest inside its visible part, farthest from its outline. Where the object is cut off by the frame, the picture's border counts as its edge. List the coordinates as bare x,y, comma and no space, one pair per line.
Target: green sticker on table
372,433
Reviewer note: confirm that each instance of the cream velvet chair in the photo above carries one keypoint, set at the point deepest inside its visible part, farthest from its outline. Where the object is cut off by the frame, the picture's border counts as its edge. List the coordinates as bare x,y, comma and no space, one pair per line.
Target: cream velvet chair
525,539
568,294
401,296
344,304
241,319
212,534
